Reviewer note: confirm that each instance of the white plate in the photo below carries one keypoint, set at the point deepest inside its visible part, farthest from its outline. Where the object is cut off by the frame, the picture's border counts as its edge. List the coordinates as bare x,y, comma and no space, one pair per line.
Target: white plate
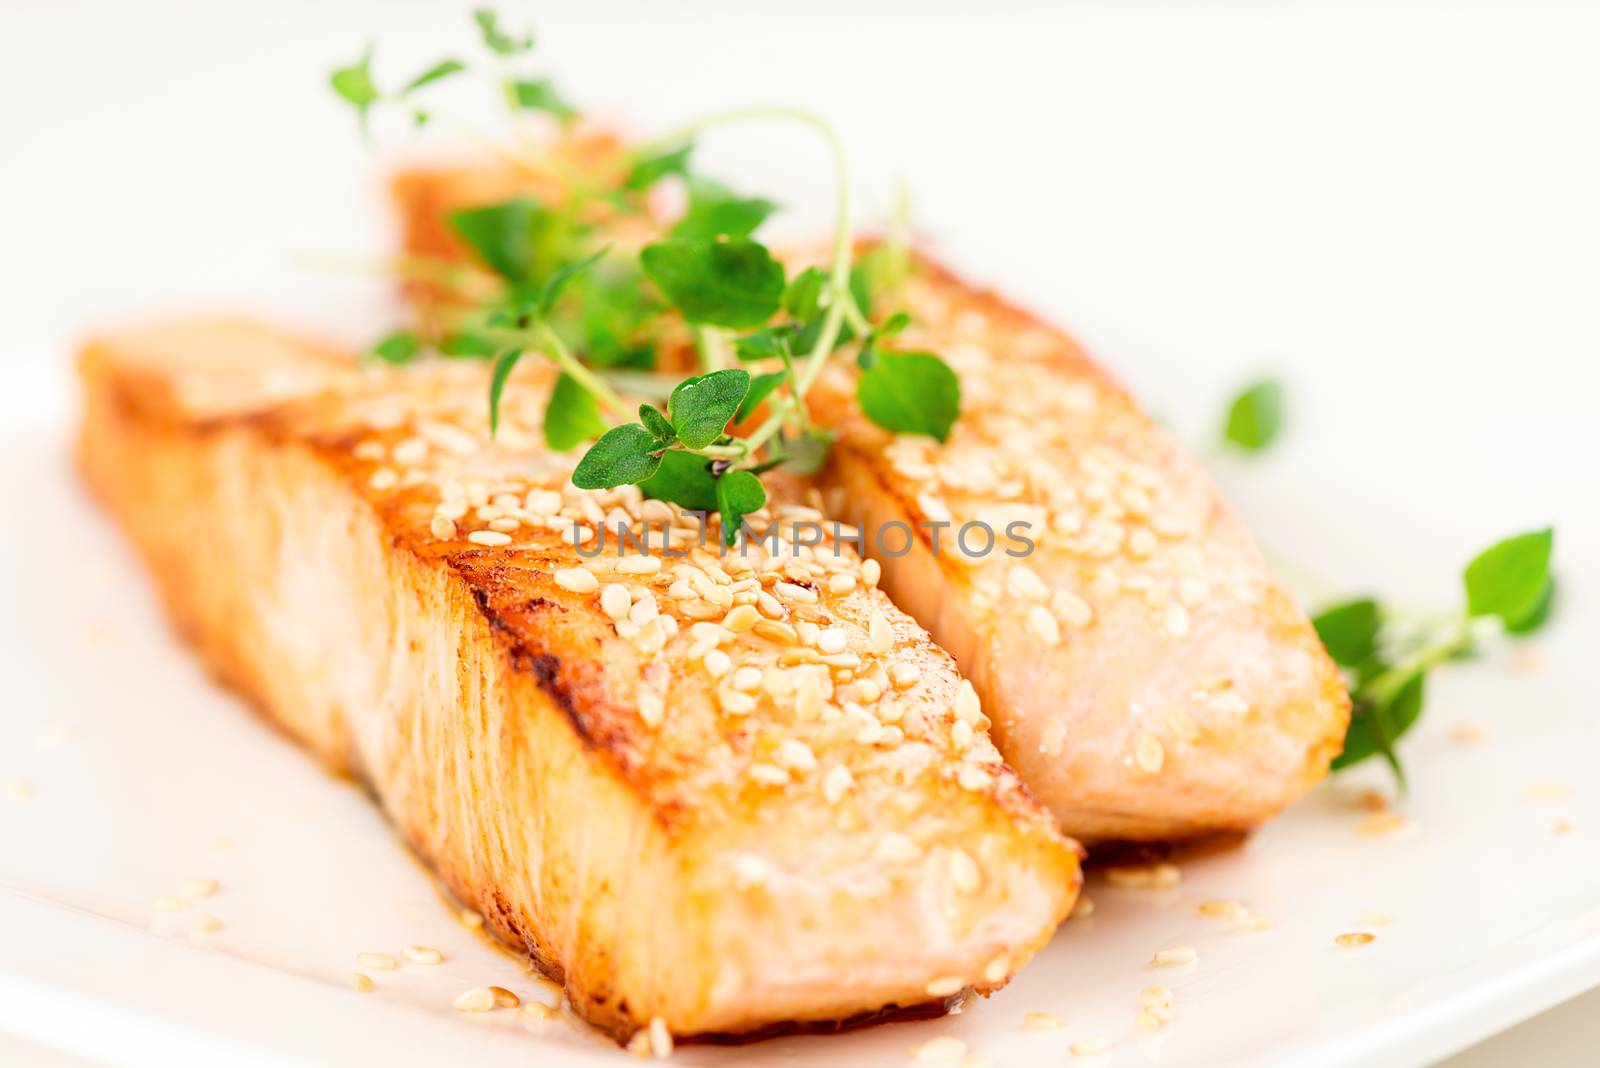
142,774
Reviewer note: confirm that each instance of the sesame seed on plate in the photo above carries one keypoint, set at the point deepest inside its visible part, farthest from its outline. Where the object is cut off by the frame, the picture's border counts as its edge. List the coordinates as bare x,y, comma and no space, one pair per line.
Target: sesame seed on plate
377,962
478,999
1355,938
1175,956
1149,753
660,1039
945,1049
1042,625
1090,1047
193,888
1155,995
1041,1021
361,982
206,922
504,998
964,873
169,904
422,955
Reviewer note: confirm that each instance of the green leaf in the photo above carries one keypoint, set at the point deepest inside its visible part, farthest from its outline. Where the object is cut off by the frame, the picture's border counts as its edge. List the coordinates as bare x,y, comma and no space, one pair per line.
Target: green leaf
468,345
656,423
550,292
503,235
572,416
354,84
738,494
1511,578
495,38
541,95
806,453
649,170
684,479
802,297
503,365
735,283
911,393
439,71
624,455
700,407
402,346
766,343
717,211
1377,728
760,387
1256,416
1349,630
1539,616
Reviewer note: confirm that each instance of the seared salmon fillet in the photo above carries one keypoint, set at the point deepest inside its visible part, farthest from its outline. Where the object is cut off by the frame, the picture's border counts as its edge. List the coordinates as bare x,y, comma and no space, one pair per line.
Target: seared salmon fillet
1146,674
709,793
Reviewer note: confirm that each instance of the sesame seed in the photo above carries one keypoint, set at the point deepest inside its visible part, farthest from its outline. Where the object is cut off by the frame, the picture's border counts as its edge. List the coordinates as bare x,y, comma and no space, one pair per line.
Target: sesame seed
639,565
384,478
972,779
1467,733
614,600
904,676
964,874
1023,582
841,583
489,537
896,848
361,982
1177,955
206,922
193,888
537,1010
1145,876
377,962
1381,823
788,591
746,678
967,707
942,1049
1090,1047
750,870
660,1039
794,754
1155,995
736,703
773,631
169,904
836,782
505,524
422,955
717,663
1041,1021
768,774
469,919
832,641
1251,921
1177,620
997,969
1374,918
1355,938
1183,725
1071,609
504,998
577,580
1225,910
871,570
945,986
961,734
652,707
1148,753
442,528
741,618
1151,1020
1042,625
478,999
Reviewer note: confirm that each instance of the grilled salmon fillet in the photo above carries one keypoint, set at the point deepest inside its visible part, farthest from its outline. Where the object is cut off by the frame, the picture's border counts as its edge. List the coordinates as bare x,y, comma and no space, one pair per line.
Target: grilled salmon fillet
1146,674
711,793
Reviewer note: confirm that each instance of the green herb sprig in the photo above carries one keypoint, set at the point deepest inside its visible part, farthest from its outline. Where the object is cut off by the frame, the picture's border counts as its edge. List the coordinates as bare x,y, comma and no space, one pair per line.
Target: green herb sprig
1509,590
604,318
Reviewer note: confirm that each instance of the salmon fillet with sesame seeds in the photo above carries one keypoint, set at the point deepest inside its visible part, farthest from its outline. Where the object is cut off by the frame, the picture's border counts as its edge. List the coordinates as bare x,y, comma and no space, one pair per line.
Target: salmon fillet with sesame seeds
709,794
1146,674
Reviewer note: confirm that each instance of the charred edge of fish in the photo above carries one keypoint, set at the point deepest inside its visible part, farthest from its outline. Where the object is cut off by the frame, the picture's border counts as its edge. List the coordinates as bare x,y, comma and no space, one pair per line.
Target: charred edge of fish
544,667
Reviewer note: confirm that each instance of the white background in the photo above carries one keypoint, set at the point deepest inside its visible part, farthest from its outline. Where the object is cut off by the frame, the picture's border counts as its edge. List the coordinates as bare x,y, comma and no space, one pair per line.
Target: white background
1394,206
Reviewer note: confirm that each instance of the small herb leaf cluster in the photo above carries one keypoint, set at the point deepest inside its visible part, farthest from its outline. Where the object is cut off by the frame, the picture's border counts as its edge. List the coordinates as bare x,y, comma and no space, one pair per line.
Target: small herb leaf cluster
1255,418
609,320
1508,586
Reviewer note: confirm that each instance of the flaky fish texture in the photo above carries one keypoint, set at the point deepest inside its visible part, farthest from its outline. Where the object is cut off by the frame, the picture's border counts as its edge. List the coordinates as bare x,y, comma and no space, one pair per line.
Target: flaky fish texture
1146,674
723,792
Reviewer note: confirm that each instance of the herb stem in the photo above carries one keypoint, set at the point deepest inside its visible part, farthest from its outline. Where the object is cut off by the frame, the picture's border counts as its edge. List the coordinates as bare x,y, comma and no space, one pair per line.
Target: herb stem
569,364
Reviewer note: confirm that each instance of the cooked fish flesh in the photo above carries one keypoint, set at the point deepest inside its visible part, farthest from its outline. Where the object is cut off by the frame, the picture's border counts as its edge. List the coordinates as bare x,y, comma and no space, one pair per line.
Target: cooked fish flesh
1146,674
709,793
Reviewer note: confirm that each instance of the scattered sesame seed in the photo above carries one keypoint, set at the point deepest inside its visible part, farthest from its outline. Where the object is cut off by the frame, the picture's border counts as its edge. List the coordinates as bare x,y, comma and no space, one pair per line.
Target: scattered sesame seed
478,999
841,583
1042,625
1023,582
422,955
945,986
1090,1047
442,528
206,922
788,591
1149,753
384,478
871,570
1468,733
964,873
1225,910
1155,995
832,641
794,754
504,998
639,565
1564,826
614,600
660,1039
836,782
489,537
968,708
768,774
577,580
194,888
1071,609
740,704
377,962
741,617
897,848
169,904
1251,921
1151,1020
470,919
1177,955
997,968
537,1010
361,982
1144,876
942,1049
1355,938
1041,1021
1381,823
1374,918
